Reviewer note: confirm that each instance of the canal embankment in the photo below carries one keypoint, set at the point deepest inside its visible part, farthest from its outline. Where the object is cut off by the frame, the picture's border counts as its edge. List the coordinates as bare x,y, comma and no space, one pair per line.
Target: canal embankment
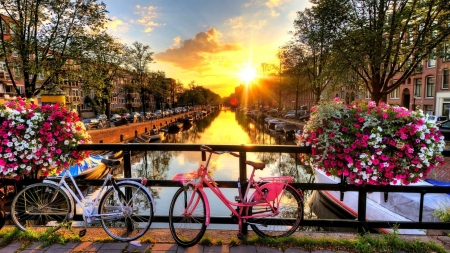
117,134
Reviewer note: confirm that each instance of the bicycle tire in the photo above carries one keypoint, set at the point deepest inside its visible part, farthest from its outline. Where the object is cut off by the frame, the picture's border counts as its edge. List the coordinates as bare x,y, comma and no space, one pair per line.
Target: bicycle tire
187,230
138,209
291,207
31,207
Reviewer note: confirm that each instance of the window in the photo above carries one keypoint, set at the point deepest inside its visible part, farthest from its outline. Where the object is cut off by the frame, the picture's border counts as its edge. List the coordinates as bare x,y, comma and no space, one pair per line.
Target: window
431,62
428,109
446,51
418,87
75,92
430,87
395,93
445,78
342,95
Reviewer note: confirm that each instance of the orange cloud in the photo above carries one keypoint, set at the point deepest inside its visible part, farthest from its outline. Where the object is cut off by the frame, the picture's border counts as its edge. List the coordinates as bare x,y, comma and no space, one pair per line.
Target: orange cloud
197,53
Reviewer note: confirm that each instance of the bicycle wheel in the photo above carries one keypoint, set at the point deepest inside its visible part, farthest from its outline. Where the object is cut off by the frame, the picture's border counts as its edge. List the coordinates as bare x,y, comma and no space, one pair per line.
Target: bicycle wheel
40,205
187,216
290,207
134,220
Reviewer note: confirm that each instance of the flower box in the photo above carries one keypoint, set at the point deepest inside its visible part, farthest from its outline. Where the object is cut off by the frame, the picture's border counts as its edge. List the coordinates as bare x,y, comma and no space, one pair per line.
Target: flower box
38,140
372,144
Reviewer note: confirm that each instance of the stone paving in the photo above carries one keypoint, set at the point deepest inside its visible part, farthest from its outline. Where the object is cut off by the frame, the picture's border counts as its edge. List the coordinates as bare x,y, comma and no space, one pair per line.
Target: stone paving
154,248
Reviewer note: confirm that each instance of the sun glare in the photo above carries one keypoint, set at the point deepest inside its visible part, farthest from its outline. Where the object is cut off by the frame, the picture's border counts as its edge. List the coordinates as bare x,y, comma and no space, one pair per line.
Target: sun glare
247,74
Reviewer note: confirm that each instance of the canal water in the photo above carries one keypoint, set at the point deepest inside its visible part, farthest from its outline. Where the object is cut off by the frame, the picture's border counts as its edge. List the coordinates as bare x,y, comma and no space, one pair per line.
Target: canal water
218,127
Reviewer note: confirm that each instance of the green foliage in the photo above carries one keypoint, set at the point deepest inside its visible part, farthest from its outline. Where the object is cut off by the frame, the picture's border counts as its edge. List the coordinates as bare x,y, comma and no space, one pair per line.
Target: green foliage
206,240
443,213
52,41
366,243
47,237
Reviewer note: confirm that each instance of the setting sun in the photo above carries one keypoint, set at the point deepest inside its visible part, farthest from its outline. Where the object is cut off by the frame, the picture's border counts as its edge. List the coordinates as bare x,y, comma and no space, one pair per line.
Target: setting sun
247,74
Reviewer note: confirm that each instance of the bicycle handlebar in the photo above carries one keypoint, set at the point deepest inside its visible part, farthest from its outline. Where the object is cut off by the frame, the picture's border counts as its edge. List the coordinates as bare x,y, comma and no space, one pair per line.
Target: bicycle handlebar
208,149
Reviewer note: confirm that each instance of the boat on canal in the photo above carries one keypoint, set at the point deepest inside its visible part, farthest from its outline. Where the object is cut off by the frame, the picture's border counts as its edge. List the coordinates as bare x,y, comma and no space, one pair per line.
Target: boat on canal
399,206
92,167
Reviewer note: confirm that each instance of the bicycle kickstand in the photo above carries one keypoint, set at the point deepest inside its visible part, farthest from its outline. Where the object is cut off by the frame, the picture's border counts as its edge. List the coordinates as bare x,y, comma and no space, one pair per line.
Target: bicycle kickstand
241,235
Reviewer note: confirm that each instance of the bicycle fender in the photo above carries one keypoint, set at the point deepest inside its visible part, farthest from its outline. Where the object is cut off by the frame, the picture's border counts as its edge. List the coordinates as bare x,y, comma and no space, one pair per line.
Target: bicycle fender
273,191
145,189
72,202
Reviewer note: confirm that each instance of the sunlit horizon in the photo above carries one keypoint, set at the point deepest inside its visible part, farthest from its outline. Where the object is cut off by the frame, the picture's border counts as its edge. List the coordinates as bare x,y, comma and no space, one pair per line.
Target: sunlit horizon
206,42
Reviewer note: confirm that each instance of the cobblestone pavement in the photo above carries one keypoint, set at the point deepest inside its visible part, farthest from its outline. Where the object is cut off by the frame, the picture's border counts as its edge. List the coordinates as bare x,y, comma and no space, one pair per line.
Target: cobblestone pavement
112,247
162,241
154,248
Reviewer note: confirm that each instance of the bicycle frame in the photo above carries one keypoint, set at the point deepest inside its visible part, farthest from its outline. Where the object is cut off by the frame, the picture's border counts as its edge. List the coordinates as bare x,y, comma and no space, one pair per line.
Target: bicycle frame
202,177
82,201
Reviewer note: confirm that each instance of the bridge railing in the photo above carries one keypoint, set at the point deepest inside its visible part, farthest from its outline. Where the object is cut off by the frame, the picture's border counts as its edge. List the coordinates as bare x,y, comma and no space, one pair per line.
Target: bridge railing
360,223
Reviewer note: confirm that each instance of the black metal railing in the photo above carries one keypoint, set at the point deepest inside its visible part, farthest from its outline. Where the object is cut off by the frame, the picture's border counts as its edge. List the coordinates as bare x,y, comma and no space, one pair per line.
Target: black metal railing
360,223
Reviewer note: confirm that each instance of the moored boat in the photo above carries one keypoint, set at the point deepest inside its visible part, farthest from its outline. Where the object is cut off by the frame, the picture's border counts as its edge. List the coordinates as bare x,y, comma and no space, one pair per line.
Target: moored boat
92,167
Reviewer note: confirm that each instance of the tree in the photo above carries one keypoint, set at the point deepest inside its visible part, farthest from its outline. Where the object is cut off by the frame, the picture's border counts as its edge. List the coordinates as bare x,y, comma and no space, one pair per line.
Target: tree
311,43
383,39
294,60
274,82
138,60
158,87
100,63
43,36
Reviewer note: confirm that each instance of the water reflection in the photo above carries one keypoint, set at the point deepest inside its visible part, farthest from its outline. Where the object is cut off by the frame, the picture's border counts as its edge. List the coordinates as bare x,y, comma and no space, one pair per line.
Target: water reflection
219,127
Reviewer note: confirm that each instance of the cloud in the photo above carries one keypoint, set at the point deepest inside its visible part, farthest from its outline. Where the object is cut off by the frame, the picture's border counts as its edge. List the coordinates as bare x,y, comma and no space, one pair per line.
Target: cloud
272,4
117,25
199,53
147,15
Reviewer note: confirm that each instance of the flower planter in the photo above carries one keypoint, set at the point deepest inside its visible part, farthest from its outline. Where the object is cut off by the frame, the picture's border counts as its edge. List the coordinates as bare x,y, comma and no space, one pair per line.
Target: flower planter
372,144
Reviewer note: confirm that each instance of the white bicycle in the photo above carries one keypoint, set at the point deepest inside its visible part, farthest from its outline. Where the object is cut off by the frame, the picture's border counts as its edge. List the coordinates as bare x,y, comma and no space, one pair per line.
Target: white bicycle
124,208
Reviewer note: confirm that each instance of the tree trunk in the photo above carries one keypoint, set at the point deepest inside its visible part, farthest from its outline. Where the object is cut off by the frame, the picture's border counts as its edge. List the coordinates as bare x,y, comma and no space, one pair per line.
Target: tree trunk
376,95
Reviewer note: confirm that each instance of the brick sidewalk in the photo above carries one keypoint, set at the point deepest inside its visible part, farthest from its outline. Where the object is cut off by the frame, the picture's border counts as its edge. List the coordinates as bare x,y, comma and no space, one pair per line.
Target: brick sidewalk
154,248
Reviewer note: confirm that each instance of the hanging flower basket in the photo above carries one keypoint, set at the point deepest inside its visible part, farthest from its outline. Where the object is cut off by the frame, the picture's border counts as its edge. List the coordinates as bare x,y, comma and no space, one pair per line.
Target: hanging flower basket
38,140
370,144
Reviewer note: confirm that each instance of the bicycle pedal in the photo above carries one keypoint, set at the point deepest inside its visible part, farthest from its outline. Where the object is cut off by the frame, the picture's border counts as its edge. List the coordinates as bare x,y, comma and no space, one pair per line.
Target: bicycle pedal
82,233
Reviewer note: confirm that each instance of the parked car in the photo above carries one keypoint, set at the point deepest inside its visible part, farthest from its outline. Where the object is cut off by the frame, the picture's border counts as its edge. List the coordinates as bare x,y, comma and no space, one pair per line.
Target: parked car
134,117
103,119
431,118
92,123
441,119
115,117
125,115
168,112
146,115
154,115
160,113
444,128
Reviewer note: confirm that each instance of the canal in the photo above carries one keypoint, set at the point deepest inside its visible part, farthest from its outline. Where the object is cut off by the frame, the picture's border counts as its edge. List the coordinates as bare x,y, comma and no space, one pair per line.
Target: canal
218,127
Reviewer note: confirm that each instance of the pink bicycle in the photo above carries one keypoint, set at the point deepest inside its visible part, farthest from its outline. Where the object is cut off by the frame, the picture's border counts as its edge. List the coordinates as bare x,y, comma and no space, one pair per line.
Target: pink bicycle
273,209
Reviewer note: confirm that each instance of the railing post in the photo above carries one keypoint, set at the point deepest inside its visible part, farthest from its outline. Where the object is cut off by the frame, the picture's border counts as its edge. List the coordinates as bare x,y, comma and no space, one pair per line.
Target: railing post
126,161
243,181
362,203
422,194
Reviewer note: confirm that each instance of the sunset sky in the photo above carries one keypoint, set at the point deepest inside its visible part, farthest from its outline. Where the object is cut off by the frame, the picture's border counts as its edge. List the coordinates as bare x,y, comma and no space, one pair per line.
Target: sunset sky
210,42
